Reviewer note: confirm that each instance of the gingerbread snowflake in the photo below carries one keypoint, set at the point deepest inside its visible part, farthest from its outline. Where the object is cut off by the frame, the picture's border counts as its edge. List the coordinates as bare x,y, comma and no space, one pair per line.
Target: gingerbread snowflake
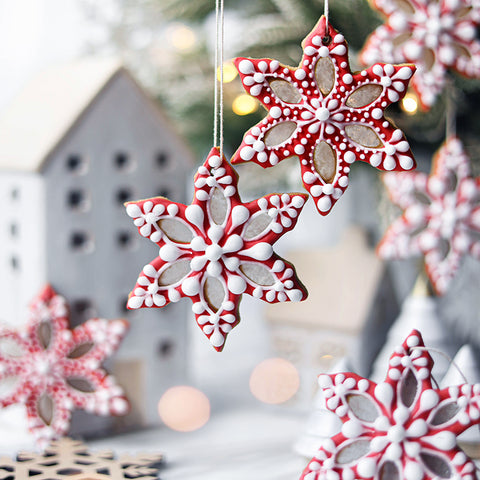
216,249
52,369
403,428
441,218
68,459
325,115
436,35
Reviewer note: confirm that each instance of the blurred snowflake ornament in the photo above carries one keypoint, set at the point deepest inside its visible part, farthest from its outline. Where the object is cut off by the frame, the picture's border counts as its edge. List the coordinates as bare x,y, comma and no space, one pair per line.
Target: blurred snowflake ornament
216,249
325,115
401,428
52,369
441,218
435,35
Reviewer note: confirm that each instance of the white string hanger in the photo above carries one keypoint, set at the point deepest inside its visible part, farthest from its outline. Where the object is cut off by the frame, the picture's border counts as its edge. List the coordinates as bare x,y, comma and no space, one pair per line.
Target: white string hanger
218,91
446,356
325,13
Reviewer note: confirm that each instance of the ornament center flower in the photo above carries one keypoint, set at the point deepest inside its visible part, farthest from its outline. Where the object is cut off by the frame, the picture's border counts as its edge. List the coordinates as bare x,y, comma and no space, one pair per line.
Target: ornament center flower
214,252
396,434
322,114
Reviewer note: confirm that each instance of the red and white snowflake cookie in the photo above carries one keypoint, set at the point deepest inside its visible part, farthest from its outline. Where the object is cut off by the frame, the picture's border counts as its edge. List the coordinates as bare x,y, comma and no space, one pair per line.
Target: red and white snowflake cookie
403,428
435,35
441,218
325,115
55,369
216,249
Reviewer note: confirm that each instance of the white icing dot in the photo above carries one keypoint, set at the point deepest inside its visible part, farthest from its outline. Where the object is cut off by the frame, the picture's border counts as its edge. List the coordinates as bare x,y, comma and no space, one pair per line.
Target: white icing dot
389,163
246,66
236,284
214,161
324,204
367,467
323,51
343,181
276,112
191,286
347,78
299,149
247,153
300,74
349,157
377,113
406,162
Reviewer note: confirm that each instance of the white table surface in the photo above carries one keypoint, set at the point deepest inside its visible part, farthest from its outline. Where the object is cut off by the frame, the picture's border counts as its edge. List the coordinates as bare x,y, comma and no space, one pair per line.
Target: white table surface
250,444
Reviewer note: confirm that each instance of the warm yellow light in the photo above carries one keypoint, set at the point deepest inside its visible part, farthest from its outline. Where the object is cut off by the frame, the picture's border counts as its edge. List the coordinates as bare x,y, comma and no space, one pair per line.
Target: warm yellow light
274,381
410,103
184,408
181,37
244,104
327,357
229,72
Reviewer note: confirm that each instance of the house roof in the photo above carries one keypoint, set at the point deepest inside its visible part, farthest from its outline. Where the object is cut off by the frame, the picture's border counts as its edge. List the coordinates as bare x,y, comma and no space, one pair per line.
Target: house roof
47,108
342,280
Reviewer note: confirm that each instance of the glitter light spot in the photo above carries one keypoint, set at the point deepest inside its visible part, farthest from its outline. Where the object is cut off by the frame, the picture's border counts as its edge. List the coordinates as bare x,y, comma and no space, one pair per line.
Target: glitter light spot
410,104
244,104
184,408
274,381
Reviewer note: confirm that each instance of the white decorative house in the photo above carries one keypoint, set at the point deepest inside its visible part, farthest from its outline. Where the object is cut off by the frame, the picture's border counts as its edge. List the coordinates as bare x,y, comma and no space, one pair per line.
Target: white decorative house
77,142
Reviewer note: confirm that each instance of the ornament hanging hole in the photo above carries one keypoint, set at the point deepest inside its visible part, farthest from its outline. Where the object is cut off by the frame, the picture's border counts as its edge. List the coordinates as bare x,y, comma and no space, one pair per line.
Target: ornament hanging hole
326,40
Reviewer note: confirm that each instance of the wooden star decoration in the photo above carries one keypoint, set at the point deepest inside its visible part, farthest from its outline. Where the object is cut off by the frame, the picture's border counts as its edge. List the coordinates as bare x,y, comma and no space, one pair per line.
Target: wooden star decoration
436,36
216,249
325,115
403,428
68,459
441,215
52,369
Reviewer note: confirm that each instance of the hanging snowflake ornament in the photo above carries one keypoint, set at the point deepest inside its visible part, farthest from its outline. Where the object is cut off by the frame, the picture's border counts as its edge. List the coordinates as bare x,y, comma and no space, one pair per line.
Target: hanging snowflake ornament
325,115
435,35
441,218
52,369
216,249
403,428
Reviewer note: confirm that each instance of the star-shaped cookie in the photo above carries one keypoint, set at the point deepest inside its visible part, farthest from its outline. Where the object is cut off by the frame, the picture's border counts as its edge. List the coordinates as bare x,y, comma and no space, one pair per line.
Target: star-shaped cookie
435,35
216,249
52,369
403,428
325,115
441,215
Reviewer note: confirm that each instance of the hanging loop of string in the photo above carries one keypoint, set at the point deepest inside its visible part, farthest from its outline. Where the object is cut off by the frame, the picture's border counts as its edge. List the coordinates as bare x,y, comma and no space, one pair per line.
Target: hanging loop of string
218,76
444,355
326,38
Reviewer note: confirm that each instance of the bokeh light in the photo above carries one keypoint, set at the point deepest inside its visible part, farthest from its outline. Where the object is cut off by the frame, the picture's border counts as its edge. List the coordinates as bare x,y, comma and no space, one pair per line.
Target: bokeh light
244,104
274,381
229,72
181,37
184,408
410,103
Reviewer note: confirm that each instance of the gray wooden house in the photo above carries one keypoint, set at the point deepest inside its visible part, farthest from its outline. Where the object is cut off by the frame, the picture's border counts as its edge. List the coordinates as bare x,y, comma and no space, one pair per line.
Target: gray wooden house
78,141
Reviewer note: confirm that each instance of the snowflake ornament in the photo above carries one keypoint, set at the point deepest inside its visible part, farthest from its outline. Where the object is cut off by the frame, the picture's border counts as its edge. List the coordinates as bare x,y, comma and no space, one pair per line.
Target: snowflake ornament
68,459
435,35
325,115
441,218
216,249
403,428
52,369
